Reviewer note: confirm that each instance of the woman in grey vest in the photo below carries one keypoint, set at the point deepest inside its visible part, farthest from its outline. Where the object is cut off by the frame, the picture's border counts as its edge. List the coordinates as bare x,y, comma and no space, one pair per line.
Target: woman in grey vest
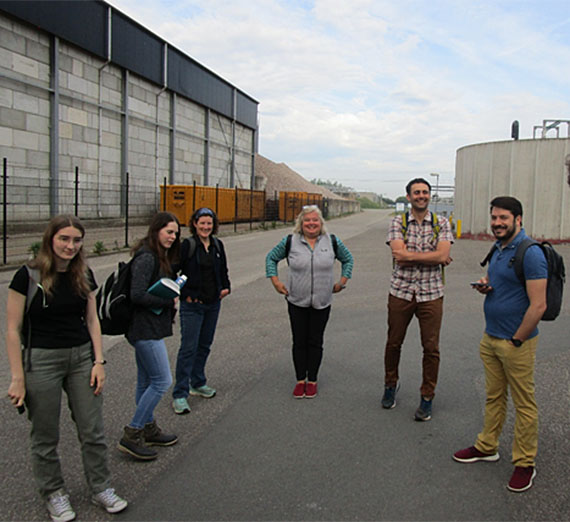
310,252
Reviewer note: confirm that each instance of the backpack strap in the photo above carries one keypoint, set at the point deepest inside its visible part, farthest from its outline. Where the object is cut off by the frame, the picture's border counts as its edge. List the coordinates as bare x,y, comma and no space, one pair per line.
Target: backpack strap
334,245
489,255
518,259
290,237
435,226
188,248
192,246
33,286
405,222
288,245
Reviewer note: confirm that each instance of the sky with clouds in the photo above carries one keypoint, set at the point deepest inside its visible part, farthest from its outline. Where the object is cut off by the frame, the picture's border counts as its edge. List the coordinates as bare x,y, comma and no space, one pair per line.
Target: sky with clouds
371,93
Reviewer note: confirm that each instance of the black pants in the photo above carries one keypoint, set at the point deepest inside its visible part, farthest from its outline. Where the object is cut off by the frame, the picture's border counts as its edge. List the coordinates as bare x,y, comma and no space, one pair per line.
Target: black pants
308,328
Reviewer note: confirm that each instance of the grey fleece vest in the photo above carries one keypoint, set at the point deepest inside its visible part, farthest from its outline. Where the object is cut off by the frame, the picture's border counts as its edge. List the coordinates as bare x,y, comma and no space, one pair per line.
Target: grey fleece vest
311,277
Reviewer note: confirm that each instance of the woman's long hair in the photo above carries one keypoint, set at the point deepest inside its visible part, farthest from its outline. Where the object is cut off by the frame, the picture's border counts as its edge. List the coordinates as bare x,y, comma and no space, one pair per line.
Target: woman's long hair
166,257
45,261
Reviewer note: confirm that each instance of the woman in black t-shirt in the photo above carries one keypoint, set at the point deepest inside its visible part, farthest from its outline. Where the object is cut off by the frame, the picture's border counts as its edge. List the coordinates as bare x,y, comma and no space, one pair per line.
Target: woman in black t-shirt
61,333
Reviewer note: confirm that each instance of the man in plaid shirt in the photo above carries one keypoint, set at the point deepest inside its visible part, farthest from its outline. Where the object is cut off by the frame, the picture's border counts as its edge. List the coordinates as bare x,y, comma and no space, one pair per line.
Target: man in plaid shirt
419,249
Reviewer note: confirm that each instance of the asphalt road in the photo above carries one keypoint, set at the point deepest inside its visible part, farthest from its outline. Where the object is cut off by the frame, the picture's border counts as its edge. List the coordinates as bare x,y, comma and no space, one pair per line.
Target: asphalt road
254,453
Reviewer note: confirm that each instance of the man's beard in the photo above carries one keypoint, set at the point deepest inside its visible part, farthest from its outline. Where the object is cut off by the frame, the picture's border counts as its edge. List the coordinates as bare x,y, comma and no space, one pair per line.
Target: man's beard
509,233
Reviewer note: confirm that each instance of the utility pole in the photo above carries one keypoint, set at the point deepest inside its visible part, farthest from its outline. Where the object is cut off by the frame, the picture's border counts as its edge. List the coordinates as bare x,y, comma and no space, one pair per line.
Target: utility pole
436,189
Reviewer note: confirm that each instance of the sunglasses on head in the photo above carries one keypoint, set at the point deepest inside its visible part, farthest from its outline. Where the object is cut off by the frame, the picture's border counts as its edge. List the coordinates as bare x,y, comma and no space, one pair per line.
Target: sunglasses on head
204,212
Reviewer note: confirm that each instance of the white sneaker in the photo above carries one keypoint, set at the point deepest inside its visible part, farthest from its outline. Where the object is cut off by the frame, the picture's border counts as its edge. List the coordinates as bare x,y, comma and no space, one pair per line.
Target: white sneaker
59,508
109,500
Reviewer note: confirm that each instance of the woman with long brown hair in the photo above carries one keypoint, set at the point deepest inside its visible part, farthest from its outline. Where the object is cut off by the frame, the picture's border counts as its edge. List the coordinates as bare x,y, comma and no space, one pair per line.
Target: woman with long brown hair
62,337
151,322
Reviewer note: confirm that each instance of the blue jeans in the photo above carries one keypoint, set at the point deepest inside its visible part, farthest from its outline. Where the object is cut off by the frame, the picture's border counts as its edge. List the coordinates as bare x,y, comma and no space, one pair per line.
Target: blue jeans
197,327
153,379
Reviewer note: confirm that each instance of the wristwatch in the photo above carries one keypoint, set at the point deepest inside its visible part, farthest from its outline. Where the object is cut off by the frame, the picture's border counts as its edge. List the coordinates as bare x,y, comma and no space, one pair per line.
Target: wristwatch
102,361
516,342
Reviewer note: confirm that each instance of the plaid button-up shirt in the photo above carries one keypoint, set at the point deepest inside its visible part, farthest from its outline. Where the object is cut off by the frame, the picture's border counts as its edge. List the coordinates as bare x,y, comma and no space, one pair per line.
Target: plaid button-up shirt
424,282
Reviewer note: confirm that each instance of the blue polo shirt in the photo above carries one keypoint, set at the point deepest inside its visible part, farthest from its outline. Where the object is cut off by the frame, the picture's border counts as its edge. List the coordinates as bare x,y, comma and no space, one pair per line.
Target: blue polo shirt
506,305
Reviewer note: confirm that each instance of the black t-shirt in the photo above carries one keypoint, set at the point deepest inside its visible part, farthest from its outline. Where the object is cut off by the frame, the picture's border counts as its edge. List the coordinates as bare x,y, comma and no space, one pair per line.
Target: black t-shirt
207,275
60,324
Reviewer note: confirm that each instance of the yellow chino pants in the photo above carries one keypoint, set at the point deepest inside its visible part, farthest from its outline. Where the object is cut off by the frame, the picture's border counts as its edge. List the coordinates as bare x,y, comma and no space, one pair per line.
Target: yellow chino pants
507,366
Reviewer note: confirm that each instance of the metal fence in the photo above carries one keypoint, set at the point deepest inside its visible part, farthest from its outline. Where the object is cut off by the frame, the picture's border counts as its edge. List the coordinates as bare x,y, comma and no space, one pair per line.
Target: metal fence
30,198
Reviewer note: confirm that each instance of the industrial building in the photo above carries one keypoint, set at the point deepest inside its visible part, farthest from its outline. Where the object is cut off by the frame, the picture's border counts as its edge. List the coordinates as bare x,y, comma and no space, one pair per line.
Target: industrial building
89,99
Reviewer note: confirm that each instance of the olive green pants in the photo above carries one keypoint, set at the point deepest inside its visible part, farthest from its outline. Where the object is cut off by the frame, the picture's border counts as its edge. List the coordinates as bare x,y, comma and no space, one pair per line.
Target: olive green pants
53,371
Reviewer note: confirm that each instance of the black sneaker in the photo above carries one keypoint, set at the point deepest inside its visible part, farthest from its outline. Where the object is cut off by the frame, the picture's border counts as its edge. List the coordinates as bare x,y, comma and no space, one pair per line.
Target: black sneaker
423,413
389,398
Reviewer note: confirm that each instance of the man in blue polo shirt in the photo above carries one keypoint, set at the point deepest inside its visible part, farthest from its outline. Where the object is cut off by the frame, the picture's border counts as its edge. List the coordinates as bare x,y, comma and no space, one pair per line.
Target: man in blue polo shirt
508,347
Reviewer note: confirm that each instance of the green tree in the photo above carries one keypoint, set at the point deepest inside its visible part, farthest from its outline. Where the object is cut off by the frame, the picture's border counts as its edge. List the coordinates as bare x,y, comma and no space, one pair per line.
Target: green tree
367,203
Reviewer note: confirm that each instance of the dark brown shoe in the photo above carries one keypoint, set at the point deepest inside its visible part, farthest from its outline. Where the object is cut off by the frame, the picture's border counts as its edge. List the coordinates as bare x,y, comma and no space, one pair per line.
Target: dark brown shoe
154,436
133,443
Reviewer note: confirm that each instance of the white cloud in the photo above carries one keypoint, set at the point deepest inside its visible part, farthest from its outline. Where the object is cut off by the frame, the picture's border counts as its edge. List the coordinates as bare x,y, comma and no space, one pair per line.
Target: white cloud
373,92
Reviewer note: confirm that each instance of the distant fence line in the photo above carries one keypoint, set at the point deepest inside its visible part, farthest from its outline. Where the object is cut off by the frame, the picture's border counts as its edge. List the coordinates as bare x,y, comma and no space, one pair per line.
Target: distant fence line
237,205
29,201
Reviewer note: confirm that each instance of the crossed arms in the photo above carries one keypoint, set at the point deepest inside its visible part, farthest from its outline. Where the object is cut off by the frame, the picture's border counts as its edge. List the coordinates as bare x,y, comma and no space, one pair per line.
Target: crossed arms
404,257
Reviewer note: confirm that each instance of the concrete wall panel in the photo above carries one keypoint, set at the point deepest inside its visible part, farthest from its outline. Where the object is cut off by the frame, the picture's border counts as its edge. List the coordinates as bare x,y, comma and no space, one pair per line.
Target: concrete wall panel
533,171
90,138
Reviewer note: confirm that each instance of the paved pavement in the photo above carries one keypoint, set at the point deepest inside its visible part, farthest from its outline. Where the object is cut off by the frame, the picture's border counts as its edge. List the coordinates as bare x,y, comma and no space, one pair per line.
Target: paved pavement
254,453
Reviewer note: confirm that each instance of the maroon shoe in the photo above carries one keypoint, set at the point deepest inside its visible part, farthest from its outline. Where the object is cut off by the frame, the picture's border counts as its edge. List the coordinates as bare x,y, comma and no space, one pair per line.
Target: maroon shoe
311,390
299,390
521,479
472,454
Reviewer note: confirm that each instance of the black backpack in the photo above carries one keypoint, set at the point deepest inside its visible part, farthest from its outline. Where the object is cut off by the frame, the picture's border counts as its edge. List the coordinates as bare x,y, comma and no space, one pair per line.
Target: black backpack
556,273
192,247
114,306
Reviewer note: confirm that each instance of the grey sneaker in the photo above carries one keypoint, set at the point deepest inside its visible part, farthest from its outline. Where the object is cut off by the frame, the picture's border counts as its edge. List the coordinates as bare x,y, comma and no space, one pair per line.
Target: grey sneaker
203,391
423,413
59,507
110,501
180,406
389,398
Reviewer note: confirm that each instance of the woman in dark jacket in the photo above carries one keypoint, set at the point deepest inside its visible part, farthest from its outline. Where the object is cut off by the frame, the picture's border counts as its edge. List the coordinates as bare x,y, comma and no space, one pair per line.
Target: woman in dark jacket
203,261
151,322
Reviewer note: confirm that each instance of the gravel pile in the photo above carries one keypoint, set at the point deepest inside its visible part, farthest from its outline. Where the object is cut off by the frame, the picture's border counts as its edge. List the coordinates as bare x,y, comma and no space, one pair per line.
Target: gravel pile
278,176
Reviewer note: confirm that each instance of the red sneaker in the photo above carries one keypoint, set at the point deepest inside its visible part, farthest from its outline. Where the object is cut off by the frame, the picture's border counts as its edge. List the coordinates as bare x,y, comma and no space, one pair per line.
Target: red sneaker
299,390
311,390
472,454
522,479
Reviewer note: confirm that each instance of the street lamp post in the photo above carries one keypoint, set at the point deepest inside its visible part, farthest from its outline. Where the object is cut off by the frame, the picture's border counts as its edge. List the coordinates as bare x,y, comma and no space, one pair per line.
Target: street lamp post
436,189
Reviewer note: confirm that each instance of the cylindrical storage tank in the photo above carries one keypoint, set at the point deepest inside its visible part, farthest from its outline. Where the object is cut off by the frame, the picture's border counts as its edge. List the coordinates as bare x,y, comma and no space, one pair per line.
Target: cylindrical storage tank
533,171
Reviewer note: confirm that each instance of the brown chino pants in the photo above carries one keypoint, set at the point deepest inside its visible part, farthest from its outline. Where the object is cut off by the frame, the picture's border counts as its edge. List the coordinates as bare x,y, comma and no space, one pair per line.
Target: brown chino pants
400,313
